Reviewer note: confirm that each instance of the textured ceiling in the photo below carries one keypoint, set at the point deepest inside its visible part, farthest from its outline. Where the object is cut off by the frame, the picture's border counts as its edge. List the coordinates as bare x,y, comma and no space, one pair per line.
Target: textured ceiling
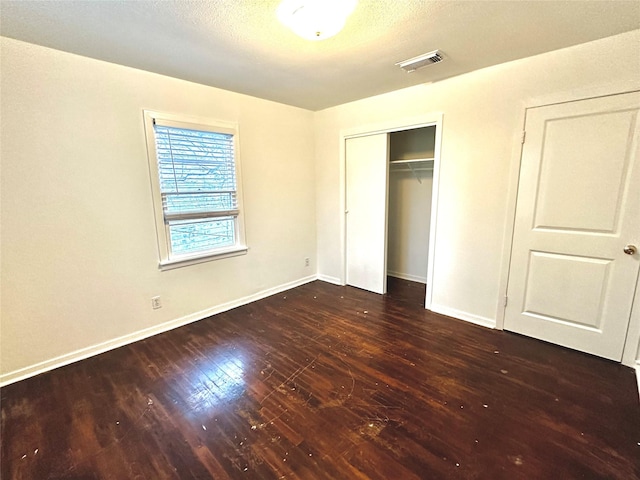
239,45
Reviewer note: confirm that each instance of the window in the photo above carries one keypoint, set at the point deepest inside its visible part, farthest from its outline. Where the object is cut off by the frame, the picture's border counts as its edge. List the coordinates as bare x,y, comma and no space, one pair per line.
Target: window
195,180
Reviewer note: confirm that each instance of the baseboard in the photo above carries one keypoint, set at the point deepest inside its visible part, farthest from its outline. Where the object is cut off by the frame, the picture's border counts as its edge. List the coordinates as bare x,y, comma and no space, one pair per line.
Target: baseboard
328,279
638,377
467,317
66,359
407,276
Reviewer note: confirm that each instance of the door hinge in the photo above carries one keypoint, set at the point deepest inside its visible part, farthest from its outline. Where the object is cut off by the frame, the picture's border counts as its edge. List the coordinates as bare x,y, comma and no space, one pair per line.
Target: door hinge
506,300
524,136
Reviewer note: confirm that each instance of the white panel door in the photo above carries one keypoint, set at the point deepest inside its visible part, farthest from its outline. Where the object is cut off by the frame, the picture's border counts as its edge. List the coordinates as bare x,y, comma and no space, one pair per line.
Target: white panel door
571,282
367,173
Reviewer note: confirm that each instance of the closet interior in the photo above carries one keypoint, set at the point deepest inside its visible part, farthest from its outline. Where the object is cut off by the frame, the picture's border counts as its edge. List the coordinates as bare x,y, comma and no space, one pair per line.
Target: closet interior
411,161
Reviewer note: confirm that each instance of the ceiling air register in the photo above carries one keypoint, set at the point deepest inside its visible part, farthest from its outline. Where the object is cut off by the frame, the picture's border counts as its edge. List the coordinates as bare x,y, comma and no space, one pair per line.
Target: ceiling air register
421,61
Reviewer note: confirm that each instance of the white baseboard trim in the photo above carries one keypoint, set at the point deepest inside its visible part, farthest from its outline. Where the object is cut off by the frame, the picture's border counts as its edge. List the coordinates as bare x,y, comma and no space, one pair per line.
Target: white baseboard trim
406,276
81,354
638,377
329,279
467,317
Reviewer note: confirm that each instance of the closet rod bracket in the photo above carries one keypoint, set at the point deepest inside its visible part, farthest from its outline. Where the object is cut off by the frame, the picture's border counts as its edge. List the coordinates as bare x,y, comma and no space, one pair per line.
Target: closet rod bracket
415,174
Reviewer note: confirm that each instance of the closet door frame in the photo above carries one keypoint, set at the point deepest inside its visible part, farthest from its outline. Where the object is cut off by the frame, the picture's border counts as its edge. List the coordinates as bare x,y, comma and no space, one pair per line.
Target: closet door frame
391,126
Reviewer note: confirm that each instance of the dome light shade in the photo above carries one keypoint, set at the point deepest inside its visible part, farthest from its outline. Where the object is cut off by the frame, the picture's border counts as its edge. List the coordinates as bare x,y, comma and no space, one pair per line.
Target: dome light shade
315,19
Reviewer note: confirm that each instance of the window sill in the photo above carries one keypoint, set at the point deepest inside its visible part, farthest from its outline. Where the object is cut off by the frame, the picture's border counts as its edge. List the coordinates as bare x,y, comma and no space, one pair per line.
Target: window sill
194,259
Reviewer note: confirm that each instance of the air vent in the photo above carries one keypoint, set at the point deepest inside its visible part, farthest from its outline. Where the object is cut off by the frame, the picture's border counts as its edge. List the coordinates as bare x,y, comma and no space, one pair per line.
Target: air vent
420,61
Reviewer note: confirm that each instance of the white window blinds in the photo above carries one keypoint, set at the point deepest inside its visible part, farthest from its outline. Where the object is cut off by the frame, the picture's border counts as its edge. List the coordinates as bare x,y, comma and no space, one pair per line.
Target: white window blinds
198,187
197,173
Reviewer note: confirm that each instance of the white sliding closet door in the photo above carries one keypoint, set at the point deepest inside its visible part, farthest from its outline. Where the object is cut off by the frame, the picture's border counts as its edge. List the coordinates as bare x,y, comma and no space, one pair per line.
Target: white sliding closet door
367,172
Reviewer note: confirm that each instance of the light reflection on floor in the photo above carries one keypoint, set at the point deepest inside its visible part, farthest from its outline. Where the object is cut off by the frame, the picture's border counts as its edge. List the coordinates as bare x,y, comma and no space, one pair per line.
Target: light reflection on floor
215,382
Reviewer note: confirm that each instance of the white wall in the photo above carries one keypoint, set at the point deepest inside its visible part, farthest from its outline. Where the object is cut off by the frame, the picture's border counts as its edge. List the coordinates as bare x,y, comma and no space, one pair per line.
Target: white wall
79,259
483,118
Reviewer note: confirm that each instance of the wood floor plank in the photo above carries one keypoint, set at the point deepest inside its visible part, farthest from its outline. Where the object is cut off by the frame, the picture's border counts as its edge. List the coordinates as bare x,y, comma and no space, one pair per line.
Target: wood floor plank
327,382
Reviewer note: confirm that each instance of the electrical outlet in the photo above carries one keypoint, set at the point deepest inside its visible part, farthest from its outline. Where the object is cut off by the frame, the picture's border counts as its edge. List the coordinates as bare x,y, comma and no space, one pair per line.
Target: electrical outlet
155,303
306,261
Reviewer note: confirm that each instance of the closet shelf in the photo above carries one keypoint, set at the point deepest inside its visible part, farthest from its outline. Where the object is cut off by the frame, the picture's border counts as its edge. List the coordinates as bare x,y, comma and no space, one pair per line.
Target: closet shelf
412,161
415,165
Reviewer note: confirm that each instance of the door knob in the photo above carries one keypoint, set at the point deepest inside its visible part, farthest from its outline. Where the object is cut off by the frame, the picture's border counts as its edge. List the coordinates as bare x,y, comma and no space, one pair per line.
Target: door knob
630,249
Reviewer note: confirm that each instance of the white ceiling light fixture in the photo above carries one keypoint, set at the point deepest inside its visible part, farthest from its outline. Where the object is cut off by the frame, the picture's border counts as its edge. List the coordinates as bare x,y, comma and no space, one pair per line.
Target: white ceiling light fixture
315,19
420,61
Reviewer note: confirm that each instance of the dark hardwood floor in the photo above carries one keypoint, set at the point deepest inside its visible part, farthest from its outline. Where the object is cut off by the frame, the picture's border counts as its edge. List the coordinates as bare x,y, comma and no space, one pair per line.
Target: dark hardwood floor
327,382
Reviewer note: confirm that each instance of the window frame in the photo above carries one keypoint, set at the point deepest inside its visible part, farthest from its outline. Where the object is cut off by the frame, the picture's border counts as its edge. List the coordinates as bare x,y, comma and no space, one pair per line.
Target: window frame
169,260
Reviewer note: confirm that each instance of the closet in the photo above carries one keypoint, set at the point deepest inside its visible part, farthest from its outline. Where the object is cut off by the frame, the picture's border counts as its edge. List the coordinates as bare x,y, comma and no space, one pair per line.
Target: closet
411,158
389,179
